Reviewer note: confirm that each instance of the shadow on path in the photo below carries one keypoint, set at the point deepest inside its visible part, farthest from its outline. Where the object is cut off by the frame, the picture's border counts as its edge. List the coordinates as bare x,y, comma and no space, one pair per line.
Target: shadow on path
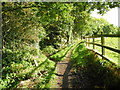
65,83
64,69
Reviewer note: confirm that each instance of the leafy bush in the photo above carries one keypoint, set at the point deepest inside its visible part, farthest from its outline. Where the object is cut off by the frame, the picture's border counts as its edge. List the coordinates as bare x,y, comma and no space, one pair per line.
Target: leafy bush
48,50
24,69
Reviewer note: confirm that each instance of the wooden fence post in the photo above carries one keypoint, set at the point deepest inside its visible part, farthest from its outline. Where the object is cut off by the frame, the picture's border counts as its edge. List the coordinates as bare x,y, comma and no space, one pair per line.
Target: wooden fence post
88,42
93,42
102,43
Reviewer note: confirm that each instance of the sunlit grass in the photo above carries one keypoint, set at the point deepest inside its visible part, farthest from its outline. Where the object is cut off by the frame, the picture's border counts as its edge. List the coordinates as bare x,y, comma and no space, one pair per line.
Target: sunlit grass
111,42
60,55
103,70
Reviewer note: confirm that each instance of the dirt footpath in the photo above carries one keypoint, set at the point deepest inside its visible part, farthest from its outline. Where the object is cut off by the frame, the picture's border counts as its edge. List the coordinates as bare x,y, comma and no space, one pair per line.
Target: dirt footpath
65,74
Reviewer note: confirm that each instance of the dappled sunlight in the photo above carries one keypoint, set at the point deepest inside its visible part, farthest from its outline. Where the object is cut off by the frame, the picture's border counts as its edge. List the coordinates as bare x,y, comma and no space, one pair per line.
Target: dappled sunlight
45,41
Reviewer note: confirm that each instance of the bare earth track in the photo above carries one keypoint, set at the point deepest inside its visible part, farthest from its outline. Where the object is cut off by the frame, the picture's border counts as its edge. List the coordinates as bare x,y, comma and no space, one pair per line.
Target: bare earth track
65,73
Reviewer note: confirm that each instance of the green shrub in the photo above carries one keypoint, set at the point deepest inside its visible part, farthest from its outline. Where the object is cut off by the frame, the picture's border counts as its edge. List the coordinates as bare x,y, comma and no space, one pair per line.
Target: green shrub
48,50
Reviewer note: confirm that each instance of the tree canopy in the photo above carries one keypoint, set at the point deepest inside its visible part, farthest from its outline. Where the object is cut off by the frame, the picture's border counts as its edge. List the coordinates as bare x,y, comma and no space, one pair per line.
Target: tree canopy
29,28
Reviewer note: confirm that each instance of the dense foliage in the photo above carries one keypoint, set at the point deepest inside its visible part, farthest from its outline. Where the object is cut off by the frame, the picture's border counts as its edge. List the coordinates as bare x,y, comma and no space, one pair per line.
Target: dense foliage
31,29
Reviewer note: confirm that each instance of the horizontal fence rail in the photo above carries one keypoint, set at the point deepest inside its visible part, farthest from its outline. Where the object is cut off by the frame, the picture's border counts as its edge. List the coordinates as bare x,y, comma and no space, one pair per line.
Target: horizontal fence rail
105,35
103,47
102,56
112,49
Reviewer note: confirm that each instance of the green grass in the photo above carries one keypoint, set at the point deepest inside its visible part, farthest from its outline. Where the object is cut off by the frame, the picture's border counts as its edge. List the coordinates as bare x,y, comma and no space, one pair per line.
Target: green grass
103,71
111,42
61,54
77,55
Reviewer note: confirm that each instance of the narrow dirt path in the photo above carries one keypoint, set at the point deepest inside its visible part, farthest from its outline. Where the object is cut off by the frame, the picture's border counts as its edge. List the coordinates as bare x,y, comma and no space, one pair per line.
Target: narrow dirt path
63,69
65,73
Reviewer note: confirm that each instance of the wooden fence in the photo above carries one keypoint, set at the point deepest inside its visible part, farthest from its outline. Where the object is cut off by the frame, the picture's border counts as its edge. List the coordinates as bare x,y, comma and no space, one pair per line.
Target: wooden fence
102,45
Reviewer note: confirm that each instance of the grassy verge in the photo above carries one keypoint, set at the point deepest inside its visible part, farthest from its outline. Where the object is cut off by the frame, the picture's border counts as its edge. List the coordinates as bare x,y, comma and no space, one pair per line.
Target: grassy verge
100,72
61,54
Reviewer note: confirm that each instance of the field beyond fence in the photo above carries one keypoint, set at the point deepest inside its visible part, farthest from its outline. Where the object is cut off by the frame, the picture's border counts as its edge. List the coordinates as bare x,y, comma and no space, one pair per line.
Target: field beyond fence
107,41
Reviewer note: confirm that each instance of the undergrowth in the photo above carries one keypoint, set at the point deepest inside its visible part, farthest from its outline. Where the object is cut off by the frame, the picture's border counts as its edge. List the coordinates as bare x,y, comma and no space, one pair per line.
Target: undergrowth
19,67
